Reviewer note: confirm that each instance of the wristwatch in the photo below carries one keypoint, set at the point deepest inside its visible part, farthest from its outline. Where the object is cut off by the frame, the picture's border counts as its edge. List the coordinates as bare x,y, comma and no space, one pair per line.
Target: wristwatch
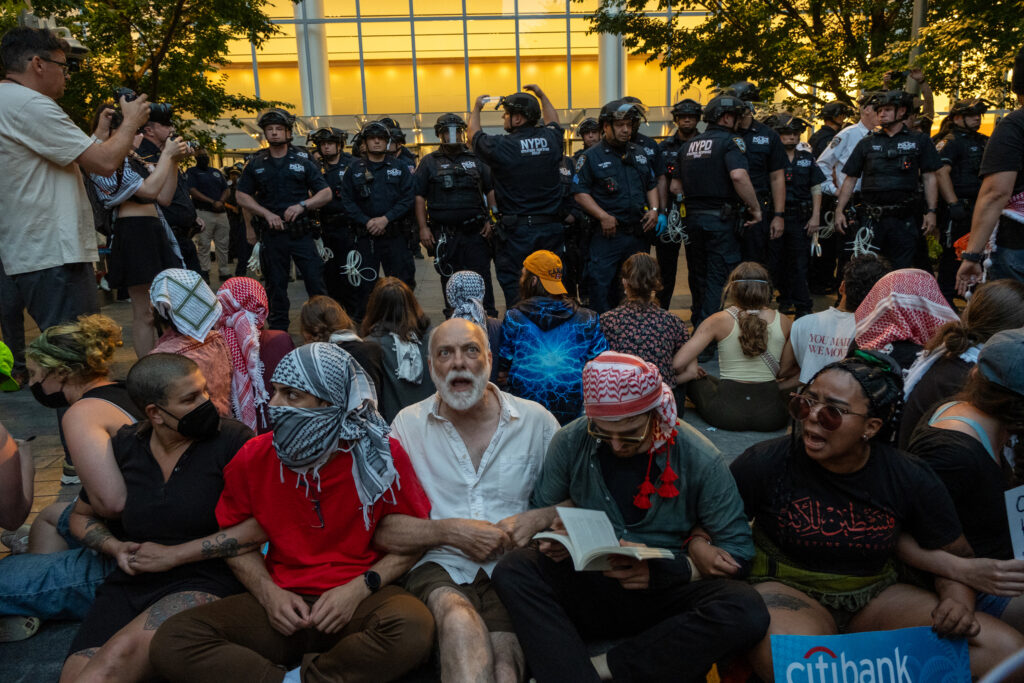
972,256
303,204
372,580
779,214
931,210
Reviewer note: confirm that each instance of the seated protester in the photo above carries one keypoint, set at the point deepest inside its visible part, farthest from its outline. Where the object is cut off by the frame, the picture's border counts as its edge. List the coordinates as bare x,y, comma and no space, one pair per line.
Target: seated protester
465,294
656,478
476,451
940,371
255,351
142,243
547,338
395,322
69,366
322,600
825,337
900,314
640,326
755,357
17,472
189,309
172,466
828,504
322,319
963,441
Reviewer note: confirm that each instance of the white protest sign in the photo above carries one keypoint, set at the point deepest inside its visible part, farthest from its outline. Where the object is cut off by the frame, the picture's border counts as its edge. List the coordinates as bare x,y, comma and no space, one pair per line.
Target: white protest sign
1015,513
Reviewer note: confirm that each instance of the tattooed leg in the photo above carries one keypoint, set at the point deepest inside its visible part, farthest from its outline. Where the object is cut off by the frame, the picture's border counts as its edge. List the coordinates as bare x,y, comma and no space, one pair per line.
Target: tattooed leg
792,612
74,664
125,657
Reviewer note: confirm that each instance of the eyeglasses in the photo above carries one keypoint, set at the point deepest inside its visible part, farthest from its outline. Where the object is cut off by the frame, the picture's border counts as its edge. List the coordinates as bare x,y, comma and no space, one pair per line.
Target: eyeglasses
631,440
64,66
830,417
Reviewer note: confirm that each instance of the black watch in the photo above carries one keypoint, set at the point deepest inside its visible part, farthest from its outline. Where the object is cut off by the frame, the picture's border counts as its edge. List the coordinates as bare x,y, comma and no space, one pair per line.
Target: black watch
972,256
372,580
779,214
931,210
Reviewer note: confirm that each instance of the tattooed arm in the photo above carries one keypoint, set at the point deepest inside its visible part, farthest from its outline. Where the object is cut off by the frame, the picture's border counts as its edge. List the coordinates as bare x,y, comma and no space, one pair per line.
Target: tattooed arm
237,540
93,533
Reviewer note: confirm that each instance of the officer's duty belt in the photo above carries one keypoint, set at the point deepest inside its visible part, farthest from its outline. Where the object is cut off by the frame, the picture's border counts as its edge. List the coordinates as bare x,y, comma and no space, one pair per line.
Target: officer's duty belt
538,219
877,211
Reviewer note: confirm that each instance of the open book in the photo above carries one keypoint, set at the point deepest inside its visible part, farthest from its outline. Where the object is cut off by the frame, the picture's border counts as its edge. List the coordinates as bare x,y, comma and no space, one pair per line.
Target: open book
591,541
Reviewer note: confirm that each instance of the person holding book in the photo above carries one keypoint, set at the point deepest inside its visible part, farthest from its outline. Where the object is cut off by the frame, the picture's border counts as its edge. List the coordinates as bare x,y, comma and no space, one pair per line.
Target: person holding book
477,452
655,478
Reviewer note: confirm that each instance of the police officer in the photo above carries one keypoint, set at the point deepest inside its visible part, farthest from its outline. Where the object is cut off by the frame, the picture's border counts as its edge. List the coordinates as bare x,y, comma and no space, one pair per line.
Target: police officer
767,159
821,273
377,193
396,144
578,223
281,188
892,161
960,150
615,184
329,146
716,184
589,131
453,196
686,114
653,152
525,164
789,256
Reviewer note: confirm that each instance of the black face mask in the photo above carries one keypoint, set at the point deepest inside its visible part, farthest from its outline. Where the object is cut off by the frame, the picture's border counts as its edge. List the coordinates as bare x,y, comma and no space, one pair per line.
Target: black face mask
55,400
200,423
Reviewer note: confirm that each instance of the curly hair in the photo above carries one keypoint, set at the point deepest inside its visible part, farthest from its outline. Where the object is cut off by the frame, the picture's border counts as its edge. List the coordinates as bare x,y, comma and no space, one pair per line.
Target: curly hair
642,276
860,275
994,307
749,288
81,350
321,316
881,379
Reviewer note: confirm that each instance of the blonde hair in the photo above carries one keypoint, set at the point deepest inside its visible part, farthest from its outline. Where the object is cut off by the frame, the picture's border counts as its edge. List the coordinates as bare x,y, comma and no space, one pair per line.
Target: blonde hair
81,349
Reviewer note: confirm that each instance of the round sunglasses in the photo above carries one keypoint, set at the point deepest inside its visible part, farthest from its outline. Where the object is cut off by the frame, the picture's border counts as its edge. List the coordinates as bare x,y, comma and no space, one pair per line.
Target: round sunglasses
830,417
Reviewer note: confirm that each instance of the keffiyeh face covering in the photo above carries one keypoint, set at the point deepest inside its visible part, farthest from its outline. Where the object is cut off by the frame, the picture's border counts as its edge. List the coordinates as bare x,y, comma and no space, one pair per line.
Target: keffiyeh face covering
183,297
306,438
465,293
617,386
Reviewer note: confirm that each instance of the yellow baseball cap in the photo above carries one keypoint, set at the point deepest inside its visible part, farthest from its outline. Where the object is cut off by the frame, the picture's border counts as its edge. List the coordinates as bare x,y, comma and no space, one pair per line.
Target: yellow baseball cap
548,267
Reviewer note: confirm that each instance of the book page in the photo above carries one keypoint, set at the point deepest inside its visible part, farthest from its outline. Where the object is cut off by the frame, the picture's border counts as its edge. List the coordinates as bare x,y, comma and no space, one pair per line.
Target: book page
588,529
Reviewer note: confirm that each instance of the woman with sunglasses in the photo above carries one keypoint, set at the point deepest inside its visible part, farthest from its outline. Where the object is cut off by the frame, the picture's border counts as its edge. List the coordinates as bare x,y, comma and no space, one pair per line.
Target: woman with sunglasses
828,504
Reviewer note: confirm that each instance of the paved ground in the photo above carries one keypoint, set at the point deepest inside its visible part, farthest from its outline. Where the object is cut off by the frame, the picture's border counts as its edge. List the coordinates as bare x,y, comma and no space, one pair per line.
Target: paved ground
38,659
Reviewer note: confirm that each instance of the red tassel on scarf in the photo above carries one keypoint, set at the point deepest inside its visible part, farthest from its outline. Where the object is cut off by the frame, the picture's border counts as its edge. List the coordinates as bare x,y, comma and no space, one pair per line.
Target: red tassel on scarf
667,490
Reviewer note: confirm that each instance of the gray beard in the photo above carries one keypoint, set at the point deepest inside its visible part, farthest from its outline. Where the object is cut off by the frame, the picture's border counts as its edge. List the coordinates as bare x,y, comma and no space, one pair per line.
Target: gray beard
461,400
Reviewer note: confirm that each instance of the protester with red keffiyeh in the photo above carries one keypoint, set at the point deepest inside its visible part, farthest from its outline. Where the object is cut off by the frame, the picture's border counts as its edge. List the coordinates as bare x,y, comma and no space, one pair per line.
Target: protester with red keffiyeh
657,479
245,308
901,313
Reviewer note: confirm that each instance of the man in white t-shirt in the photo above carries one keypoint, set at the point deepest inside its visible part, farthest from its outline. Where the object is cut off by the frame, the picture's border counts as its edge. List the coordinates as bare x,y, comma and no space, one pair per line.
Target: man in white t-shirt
47,238
477,452
825,337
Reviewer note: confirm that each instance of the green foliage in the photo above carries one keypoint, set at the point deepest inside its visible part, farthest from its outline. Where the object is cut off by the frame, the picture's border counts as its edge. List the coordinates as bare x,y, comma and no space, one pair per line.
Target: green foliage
817,50
167,49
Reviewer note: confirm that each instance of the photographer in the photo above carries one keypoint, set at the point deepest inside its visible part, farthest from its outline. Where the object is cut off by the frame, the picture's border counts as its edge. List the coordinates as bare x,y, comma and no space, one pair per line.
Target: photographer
180,213
46,223
141,243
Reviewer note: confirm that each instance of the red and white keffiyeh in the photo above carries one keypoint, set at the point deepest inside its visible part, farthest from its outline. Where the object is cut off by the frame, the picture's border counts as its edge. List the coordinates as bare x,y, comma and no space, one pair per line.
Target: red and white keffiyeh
905,305
617,386
245,309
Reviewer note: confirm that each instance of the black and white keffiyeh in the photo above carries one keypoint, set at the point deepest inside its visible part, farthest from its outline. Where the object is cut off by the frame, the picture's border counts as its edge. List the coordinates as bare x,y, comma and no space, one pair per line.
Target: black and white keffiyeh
465,292
305,438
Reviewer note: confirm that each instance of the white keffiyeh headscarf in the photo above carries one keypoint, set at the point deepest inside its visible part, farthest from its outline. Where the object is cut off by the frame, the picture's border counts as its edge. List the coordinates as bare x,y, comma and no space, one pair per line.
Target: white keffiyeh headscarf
465,292
306,438
186,300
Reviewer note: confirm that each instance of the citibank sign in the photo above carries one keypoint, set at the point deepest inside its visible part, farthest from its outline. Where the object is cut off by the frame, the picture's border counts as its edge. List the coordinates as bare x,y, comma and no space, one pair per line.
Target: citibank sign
910,655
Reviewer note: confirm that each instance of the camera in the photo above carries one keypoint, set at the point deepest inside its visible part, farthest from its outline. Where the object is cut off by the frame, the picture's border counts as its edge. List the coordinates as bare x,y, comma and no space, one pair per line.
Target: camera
160,112
897,76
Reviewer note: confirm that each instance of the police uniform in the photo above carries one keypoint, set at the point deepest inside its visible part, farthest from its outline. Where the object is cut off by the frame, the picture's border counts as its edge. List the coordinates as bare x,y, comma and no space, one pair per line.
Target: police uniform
765,154
962,150
822,269
525,165
619,182
276,184
370,189
577,234
890,169
216,228
668,251
820,139
406,157
789,255
454,188
712,205
337,235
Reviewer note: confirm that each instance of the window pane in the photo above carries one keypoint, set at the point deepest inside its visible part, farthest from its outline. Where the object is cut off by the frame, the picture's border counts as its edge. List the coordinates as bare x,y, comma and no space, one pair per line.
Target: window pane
549,74
342,43
384,8
582,43
541,6
442,87
388,60
280,47
280,9
646,81
585,83
437,8
542,37
346,88
340,8
439,40
499,7
386,40
491,39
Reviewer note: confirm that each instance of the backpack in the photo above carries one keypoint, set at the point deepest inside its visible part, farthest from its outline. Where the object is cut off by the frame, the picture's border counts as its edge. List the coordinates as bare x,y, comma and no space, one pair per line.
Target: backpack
101,216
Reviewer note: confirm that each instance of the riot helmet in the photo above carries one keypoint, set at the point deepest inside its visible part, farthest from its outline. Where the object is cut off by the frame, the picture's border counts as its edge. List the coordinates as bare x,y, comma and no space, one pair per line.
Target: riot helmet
394,129
785,123
522,103
724,104
835,111
278,116
976,107
450,123
588,125
322,135
687,107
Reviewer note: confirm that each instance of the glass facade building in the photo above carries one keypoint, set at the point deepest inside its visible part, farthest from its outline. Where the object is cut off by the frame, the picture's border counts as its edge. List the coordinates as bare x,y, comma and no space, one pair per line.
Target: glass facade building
339,62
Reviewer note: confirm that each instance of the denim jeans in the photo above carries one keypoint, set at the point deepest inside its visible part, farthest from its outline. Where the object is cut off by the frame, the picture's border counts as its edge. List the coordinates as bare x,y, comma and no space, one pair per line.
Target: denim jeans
58,585
1007,263
722,251
522,241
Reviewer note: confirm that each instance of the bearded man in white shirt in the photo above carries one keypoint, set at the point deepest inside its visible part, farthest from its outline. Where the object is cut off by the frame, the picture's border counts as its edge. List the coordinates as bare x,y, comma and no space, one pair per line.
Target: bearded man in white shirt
477,452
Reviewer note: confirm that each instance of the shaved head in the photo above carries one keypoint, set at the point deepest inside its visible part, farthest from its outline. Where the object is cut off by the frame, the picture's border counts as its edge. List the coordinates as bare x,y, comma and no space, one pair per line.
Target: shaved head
456,328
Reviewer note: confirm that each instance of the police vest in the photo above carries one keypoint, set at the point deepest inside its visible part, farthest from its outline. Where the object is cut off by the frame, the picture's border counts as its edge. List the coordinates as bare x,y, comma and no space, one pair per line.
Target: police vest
703,170
892,164
334,174
964,173
798,177
454,189
282,182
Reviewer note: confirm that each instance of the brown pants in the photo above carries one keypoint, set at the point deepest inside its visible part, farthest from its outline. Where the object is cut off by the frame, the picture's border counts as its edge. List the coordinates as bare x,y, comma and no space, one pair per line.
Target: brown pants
390,633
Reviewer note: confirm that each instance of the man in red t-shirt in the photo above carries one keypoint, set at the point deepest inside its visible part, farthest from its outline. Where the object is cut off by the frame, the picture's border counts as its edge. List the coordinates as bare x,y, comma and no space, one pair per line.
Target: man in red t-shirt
321,603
